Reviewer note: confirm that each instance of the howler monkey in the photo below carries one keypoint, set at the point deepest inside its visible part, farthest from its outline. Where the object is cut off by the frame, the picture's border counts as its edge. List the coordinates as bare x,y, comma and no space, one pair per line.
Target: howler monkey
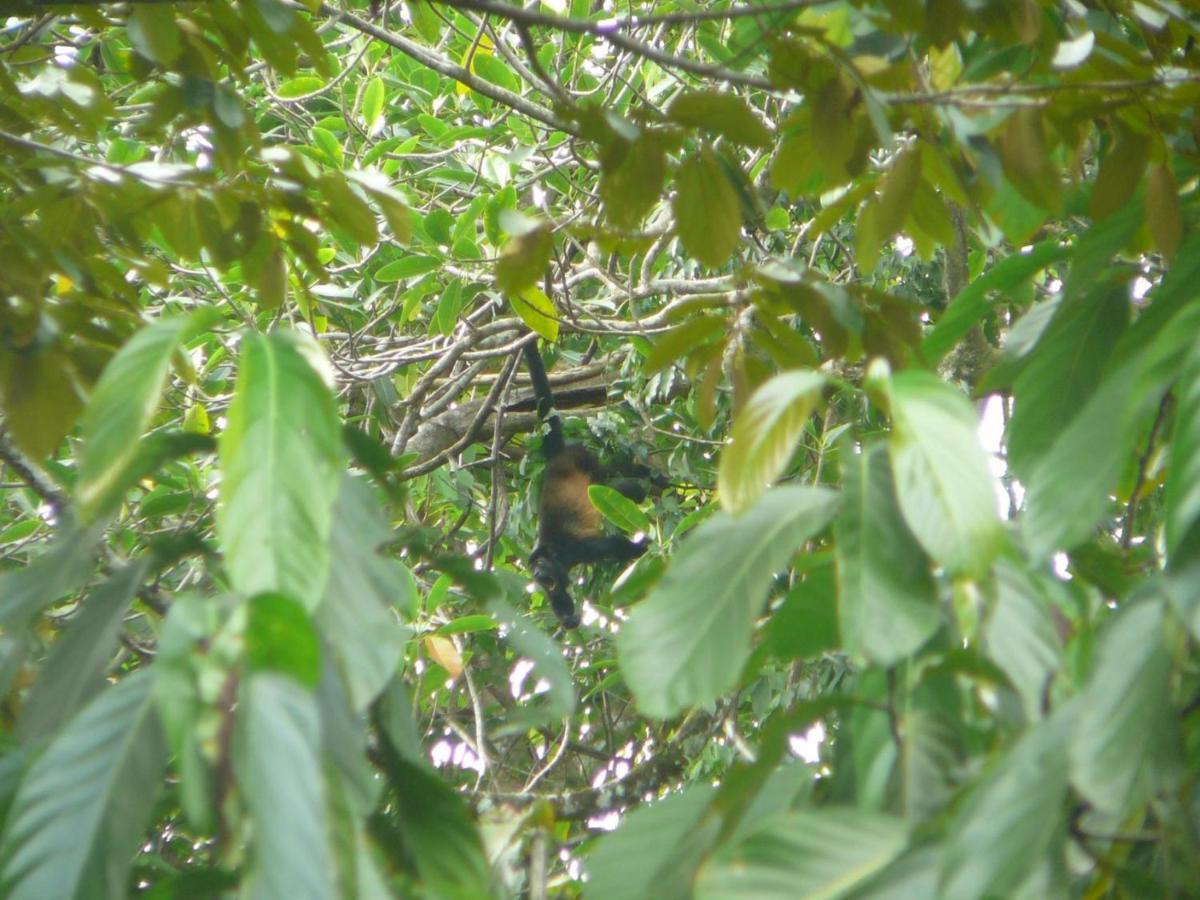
570,528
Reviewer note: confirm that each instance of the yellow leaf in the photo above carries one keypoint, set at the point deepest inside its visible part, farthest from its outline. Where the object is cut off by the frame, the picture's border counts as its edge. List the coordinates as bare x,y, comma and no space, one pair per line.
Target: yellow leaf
537,311
443,652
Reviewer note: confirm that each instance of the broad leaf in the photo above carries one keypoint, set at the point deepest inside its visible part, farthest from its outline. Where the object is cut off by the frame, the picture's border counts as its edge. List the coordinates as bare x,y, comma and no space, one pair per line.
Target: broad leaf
625,864
765,435
122,405
78,816
805,854
280,638
537,311
63,567
524,259
1126,745
618,509
1019,635
280,455
1183,472
366,589
708,217
1013,818
631,185
75,668
686,643
887,604
1063,370
721,113
278,767
946,493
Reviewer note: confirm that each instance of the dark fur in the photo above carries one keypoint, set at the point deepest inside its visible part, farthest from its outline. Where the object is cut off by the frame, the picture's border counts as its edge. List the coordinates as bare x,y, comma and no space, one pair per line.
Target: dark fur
570,528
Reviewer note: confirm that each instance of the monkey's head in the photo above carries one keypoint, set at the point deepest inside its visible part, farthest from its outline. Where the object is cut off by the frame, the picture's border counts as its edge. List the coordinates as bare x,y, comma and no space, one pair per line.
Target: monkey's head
552,577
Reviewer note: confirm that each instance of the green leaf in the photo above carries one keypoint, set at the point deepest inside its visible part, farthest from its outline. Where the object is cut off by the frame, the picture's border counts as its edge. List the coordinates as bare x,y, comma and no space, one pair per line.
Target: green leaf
325,141
79,814
631,185
63,567
946,493
708,217
280,457
1013,818
897,191
431,822
277,761
683,339
887,603
524,259
407,267
272,281
626,863
686,643
805,854
765,435
1027,160
300,86
1019,635
1183,467
347,209
154,33
40,399
1120,172
371,109
618,508
546,655
727,115
75,668
537,311
468,625
125,400
357,616
1126,746
1163,214
1062,371
972,303
281,638
806,623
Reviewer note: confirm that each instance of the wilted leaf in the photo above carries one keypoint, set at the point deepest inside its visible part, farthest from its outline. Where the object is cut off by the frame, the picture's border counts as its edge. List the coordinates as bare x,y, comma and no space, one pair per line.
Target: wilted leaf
443,652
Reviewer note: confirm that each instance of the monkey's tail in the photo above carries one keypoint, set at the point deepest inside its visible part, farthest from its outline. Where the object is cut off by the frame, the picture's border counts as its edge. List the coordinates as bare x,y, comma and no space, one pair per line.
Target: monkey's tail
544,397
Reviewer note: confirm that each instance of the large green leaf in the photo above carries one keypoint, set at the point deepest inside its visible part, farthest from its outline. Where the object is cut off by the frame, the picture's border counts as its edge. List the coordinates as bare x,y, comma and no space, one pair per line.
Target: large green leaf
721,113
78,816
75,667
125,398
708,217
280,455
765,435
631,179
278,767
1019,635
1063,370
1013,818
358,613
806,854
1183,478
625,864
946,493
687,642
887,606
1126,744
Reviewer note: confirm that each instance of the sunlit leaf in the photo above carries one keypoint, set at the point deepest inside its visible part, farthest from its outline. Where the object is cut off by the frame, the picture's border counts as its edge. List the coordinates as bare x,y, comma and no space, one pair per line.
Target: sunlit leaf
708,217
764,437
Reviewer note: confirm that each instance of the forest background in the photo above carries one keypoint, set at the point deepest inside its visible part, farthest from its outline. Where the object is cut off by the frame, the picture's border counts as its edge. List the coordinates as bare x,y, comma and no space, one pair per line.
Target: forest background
902,298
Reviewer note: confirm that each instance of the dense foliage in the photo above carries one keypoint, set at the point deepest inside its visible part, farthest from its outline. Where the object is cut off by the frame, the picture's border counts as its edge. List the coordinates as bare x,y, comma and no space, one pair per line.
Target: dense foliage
902,298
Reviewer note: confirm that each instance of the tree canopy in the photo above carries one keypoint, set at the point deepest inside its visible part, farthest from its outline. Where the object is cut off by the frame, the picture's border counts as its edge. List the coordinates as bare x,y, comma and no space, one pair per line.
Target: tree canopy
899,298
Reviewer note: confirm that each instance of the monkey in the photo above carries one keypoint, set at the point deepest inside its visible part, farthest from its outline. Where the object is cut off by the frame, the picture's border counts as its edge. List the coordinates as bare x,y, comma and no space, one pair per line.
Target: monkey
570,529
